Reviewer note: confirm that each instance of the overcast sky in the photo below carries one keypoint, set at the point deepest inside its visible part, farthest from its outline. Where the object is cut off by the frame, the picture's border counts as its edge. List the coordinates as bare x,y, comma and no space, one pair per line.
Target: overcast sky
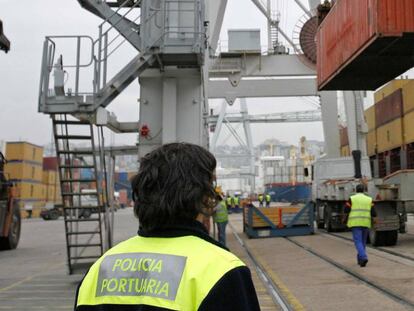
26,23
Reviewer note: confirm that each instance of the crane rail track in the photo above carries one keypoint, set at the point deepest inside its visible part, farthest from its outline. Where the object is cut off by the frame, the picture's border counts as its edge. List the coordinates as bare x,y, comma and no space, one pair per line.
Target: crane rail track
381,249
385,291
273,289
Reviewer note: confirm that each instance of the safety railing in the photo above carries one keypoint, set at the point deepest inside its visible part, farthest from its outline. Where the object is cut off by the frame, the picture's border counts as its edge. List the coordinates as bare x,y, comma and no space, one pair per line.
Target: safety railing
169,18
72,63
111,40
180,23
71,69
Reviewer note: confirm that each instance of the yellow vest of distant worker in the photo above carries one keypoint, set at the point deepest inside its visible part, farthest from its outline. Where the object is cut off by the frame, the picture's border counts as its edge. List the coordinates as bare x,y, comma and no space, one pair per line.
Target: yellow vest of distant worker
360,215
173,273
221,214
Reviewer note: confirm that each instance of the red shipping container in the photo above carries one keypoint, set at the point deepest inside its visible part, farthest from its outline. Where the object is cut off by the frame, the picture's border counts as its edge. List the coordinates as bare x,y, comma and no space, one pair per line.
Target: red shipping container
363,44
50,163
389,108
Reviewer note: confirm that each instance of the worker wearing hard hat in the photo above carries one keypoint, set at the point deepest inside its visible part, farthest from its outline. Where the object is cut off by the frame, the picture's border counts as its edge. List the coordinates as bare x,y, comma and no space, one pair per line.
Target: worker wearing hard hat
173,264
260,198
221,218
360,212
268,198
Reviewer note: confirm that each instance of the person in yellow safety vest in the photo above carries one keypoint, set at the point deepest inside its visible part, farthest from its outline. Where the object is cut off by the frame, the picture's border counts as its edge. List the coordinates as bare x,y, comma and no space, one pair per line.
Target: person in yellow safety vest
260,197
221,218
268,199
229,203
236,201
360,211
172,264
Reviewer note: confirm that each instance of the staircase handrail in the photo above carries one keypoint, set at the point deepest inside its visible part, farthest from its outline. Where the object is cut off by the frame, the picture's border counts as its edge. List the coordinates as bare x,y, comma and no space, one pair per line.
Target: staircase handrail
116,12
113,40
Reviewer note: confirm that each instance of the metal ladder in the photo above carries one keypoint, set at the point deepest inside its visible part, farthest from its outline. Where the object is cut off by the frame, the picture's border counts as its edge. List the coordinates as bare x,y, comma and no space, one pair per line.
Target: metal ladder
84,221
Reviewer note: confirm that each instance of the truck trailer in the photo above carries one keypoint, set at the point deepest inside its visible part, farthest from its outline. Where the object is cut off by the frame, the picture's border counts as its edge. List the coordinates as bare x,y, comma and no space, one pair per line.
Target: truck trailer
334,183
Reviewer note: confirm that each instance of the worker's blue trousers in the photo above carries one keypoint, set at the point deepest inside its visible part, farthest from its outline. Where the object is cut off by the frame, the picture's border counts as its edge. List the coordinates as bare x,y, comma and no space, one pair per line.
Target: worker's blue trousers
360,236
221,227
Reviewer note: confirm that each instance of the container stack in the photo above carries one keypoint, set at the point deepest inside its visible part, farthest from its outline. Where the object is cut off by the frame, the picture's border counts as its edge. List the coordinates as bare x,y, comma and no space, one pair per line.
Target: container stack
390,138
51,180
24,168
394,116
278,170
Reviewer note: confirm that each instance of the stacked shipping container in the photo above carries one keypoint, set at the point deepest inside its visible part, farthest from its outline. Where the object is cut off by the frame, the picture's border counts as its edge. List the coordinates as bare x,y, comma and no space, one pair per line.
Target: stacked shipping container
390,139
24,168
51,180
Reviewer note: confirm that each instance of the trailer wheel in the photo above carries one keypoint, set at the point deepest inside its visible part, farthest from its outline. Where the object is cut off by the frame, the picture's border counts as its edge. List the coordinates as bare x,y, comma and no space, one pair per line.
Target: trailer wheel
327,219
54,214
11,241
390,237
376,238
85,213
45,216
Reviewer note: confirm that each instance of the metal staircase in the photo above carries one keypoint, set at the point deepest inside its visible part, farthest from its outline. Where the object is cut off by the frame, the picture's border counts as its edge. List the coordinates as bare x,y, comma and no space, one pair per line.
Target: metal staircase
274,34
83,208
126,27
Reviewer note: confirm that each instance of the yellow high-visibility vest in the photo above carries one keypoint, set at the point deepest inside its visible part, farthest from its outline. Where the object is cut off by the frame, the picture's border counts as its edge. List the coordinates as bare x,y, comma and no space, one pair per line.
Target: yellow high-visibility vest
173,273
221,214
360,215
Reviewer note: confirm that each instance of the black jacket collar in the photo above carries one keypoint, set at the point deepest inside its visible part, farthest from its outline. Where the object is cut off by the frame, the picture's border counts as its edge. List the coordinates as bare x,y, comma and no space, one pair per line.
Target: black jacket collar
194,228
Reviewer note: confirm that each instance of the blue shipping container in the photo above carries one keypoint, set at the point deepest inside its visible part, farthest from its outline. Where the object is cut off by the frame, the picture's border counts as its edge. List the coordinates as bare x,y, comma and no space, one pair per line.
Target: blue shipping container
286,192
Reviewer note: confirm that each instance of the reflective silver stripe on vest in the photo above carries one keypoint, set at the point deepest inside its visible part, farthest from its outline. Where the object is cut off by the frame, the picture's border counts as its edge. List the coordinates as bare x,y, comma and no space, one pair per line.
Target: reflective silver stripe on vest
140,274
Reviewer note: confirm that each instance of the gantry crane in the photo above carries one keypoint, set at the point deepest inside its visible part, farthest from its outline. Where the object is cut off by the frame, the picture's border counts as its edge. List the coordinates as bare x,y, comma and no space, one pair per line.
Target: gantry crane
168,40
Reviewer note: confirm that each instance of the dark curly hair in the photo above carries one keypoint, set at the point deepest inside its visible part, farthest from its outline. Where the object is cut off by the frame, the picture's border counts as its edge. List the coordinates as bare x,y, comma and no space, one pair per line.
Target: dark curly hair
174,184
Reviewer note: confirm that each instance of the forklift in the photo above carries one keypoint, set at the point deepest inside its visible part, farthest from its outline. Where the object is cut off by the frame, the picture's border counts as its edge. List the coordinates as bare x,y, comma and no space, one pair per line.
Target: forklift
10,219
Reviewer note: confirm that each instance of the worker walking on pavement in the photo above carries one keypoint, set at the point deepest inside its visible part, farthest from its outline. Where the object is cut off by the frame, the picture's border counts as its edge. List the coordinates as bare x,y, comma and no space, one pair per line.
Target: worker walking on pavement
236,201
221,218
360,212
229,203
260,198
172,264
268,198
